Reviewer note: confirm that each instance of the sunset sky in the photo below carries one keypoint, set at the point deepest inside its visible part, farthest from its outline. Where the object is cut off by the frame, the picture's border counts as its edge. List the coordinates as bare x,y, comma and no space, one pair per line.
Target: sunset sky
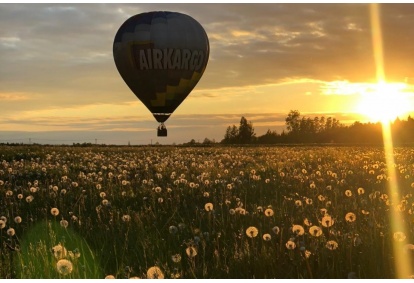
59,83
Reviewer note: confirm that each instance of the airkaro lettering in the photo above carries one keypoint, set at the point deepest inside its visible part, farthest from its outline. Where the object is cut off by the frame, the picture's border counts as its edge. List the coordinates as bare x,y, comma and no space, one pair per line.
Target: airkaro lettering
168,59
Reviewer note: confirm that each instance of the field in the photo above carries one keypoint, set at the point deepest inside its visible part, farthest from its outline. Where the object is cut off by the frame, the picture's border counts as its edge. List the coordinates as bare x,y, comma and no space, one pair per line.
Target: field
213,212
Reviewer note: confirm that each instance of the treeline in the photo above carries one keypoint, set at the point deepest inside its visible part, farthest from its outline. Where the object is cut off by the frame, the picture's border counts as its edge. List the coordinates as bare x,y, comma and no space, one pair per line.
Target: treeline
302,129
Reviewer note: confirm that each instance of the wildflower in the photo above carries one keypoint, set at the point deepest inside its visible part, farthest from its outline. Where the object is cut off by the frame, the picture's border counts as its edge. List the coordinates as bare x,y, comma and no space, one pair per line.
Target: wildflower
298,203
64,223
290,245
232,211
252,232
55,188
321,198
307,254
350,217
191,251
176,258
332,245
259,209
267,237
10,232
64,266
309,201
9,193
361,191
109,277
105,202
206,194
364,212
158,189
126,218
208,206
20,196
298,230
307,222
33,190
327,221
399,236
98,186
155,273
312,185
29,199
269,212
54,211
102,194
124,182
18,219
2,224
59,251
276,230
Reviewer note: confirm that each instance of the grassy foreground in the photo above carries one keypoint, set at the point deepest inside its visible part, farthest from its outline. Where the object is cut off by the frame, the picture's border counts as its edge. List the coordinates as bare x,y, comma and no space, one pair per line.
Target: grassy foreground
280,212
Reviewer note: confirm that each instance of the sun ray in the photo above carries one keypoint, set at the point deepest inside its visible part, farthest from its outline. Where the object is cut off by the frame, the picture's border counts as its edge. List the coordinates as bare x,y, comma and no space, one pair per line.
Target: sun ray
402,262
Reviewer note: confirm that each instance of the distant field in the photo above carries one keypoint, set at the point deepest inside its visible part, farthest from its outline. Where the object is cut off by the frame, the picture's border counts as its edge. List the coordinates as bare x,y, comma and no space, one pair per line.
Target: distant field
214,212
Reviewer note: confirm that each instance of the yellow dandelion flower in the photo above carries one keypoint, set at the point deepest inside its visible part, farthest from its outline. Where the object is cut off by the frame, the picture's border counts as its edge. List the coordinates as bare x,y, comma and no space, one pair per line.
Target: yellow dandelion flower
269,212
191,251
327,221
208,206
399,236
155,273
64,266
332,245
267,237
298,230
290,245
54,211
315,231
350,217
252,232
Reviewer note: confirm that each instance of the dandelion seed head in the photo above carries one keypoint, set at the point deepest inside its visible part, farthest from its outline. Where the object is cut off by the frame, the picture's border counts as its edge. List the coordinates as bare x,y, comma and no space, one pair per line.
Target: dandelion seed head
64,223
126,218
290,245
64,266
331,245
269,212
252,232
298,230
54,211
315,231
18,219
350,217
267,237
10,232
191,251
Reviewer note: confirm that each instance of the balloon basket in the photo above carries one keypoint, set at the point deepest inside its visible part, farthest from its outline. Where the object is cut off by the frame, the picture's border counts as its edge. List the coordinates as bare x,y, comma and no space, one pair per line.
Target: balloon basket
162,130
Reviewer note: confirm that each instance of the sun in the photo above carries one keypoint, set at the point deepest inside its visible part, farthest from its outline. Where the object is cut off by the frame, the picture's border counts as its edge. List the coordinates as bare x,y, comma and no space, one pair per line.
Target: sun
384,102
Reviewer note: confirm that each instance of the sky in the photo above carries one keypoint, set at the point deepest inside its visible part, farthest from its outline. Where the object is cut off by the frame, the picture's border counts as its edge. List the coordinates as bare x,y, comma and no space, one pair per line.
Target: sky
59,83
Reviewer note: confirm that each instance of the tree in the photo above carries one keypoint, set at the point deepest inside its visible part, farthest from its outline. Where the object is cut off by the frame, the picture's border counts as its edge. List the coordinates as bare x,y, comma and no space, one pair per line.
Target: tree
293,121
246,131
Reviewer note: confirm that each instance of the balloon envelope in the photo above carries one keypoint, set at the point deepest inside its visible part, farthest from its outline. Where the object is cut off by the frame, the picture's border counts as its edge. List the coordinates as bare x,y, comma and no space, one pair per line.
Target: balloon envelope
161,56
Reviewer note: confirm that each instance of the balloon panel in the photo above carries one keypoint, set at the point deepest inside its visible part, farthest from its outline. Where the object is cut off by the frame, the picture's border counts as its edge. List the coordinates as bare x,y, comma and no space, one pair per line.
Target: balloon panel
161,56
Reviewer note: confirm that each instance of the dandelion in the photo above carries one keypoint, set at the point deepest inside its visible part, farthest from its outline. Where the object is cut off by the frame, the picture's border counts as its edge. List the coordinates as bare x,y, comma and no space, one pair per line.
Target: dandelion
29,199
126,218
312,186
9,193
155,273
298,230
18,219
315,231
55,188
276,230
309,201
269,212
206,194
176,258
361,191
267,237
173,229
59,251
105,202
208,206
64,267
102,194
109,277
298,203
332,245
10,232
98,186
327,221
308,254
321,198
2,224
160,200
33,190
350,217
307,222
124,182
399,236
20,196
348,193
158,189
252,232
290,245
191,251
64,223
54,211
232,211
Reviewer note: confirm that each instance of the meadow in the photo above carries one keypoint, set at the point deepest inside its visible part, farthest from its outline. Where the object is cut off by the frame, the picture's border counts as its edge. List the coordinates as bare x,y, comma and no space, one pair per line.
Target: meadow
212,212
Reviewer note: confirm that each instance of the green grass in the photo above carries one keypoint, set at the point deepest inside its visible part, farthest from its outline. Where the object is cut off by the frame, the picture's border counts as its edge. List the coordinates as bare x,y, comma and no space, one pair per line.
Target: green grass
153,211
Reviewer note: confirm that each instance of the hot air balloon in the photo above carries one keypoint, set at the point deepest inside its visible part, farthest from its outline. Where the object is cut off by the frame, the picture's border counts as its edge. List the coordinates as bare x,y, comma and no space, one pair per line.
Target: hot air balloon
161,56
